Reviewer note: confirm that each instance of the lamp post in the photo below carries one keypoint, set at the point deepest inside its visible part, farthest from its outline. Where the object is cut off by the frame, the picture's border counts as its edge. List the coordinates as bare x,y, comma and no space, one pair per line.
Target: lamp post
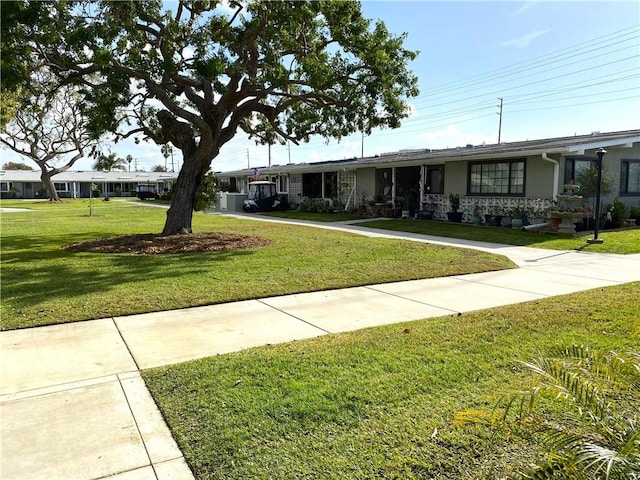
601,151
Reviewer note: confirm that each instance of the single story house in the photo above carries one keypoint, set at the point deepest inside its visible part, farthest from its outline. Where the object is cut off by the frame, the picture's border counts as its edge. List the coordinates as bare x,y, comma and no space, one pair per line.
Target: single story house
528,174
77,184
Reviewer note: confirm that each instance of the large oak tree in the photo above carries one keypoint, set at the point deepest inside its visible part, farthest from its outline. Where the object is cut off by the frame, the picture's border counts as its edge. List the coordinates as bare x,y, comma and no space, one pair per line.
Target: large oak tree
196,75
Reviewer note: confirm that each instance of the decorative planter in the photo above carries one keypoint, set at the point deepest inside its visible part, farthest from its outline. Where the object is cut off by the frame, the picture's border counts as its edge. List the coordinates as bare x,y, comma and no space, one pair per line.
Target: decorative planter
477,220
567,221
455,216
493,220
425,215
517,222
506,221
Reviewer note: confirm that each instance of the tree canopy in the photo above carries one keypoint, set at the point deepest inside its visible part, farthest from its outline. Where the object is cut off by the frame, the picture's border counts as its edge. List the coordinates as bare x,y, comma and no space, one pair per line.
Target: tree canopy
16,166
195,75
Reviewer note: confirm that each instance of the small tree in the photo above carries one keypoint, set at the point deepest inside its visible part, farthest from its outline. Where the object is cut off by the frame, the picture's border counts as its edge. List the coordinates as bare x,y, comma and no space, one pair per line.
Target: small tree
158,168
588,181
207,193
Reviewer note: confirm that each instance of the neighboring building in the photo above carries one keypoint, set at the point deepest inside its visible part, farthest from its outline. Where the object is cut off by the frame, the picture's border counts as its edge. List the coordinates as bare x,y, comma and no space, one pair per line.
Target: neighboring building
73,184
492,177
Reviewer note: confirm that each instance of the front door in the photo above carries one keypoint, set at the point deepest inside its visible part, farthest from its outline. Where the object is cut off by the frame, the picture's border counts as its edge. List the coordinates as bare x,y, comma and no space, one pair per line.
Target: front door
434,181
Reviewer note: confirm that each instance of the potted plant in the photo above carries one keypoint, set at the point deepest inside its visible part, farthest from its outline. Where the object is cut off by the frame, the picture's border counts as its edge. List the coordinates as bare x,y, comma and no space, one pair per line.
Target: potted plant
538,213
477,214
518,217
494,218
454,215
634,212
618,213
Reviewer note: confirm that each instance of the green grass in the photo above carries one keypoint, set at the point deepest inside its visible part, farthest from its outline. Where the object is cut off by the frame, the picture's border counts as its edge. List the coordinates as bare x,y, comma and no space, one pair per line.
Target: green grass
621,242
42,284
378,403
314,217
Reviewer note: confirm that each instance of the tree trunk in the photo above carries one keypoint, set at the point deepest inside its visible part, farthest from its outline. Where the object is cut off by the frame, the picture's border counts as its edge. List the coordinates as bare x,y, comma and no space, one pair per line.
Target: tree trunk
47,182
180,213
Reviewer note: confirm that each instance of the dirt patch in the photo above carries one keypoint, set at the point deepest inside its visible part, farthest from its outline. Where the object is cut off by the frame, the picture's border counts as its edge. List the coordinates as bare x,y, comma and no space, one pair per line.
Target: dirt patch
155,244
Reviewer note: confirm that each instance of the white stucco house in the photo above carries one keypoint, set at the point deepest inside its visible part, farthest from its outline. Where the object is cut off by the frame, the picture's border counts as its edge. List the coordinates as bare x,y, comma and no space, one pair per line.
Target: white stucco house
486,176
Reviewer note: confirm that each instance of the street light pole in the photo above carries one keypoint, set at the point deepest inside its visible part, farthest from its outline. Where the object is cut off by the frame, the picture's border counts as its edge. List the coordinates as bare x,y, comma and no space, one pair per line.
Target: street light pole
595,239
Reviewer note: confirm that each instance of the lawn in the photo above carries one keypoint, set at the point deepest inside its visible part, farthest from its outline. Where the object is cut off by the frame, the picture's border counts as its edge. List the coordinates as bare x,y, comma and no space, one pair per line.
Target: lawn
378,403
42,284
622,241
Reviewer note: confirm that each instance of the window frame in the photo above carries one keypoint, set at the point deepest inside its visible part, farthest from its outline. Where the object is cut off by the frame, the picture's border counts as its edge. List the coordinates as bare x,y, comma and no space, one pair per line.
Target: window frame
510,162
64,190
624,176
570,167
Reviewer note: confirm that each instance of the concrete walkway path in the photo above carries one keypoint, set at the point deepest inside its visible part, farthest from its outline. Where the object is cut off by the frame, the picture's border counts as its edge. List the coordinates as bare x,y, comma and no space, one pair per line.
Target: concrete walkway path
73,404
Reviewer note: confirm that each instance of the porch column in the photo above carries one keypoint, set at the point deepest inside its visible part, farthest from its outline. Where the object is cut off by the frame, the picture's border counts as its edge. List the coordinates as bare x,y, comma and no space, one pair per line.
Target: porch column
393,186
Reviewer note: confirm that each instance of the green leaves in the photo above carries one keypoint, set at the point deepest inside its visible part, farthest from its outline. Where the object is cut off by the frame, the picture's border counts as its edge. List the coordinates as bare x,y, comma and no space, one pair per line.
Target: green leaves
595,432
290,58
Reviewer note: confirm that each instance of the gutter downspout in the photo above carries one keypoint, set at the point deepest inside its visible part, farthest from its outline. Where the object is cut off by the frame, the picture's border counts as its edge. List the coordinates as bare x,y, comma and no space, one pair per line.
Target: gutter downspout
556,173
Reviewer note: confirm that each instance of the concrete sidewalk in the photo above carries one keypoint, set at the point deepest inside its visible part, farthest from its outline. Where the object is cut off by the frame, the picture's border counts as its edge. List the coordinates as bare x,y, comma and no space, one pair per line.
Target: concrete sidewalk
73,404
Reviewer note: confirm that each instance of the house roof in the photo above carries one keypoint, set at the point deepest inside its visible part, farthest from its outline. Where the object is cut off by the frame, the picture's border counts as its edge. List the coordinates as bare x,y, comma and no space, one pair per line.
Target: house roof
89,176
575,145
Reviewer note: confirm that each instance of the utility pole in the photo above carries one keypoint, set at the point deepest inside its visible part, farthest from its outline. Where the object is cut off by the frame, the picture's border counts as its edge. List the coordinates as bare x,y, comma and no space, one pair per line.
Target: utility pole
269,153
248,164
362,145
289,147
500,124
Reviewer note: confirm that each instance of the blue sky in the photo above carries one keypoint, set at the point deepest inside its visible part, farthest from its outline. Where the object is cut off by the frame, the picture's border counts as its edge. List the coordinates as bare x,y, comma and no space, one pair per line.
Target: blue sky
561,68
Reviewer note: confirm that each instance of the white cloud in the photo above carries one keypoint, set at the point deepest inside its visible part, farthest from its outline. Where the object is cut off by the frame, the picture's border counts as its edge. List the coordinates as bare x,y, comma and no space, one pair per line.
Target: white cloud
451,137
524,8
525,41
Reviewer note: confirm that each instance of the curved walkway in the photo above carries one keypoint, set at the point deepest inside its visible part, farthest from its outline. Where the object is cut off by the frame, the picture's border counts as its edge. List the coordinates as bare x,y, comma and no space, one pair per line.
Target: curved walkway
73,404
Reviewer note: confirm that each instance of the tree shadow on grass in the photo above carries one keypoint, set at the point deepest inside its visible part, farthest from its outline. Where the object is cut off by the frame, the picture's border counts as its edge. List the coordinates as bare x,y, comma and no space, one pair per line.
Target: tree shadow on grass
37,280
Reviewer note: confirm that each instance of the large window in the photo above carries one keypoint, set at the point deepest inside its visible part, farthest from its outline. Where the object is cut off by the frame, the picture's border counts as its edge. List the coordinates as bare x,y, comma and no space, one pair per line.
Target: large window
61,187
630,177
574,168
312,185
497,177
331,185
5,186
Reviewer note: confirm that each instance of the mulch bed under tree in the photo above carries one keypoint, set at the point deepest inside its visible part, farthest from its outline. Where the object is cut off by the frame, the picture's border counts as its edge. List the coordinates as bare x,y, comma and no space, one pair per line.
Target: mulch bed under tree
152,243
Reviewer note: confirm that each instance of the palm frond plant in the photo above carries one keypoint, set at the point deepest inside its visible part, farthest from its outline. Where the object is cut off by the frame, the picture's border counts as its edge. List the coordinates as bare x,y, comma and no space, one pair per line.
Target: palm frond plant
593,433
